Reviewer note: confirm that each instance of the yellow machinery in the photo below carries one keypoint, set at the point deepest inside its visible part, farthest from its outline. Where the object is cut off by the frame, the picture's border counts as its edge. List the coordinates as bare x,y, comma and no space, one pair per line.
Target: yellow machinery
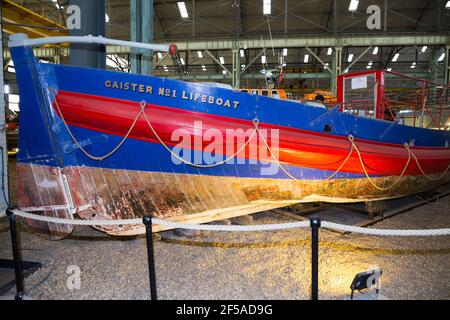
18,19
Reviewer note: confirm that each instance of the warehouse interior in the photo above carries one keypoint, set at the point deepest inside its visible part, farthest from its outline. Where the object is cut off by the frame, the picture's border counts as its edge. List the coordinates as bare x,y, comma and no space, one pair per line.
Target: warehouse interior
234,41
301,51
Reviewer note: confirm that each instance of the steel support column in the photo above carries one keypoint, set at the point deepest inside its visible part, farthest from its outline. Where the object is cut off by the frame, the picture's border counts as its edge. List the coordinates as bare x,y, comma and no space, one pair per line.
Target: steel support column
194,15
286,12
434,66
236,76
447,65
141,19
439,7
335,16
337,68
92,23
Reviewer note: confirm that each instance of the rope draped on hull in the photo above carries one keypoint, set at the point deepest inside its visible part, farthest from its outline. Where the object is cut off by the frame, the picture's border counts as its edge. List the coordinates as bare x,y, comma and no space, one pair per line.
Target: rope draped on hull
256,130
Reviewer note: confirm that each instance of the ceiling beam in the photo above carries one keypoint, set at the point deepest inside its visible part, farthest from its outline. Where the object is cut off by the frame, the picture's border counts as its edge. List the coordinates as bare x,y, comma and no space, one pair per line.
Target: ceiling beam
252,43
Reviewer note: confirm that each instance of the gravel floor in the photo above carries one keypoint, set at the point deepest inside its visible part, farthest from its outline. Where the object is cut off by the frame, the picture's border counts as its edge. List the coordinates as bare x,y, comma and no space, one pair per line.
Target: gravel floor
270,265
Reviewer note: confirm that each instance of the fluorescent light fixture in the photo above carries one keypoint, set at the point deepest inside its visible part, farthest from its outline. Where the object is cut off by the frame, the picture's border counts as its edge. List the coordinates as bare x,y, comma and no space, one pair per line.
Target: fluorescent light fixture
242,53
182,61
267,7
284,64
200,54
224,72
370,63
353,5
346,70
447,6
222,60
203,67
395,58
263,59
242,66
306,59
106,18
159,55
285,52
375,51
6,88
369,66
183,11
13,98
442,57
413,66
350,57
330,51
389,69
424,49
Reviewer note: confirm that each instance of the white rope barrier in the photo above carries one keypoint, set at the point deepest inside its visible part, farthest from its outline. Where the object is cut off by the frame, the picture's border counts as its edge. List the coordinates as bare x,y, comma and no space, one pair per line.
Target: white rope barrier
246,228
386,232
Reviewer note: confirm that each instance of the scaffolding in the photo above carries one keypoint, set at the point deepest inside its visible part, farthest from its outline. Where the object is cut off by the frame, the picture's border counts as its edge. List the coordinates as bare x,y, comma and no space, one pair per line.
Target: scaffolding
397,97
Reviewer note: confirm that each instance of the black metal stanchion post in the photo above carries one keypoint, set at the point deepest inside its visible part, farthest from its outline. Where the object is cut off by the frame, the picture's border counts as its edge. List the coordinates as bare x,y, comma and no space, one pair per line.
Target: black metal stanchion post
151,259
18,268
315,225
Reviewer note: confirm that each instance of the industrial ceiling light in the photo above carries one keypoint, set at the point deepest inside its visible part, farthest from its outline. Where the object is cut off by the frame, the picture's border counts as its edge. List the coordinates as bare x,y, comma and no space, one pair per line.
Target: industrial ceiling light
413,66
263,59
203,67
395,58
182,61
159,55
346,70
200,54
224,72
306,58
375,51
106,18
222,60
183,11
424,49
389,69
366,280
242,53
447,6
267,7
350,57
285,50
353,5
330,51
442,57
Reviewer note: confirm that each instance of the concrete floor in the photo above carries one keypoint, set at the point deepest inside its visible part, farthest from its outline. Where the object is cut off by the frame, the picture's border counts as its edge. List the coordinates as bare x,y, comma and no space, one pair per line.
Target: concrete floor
269,265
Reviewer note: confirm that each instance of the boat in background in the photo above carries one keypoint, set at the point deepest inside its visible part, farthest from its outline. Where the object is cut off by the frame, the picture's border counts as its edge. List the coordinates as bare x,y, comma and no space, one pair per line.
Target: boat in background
100,145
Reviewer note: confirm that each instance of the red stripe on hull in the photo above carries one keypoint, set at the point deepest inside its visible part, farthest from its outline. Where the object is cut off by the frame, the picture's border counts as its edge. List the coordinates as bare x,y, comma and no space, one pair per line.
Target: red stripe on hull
297,147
